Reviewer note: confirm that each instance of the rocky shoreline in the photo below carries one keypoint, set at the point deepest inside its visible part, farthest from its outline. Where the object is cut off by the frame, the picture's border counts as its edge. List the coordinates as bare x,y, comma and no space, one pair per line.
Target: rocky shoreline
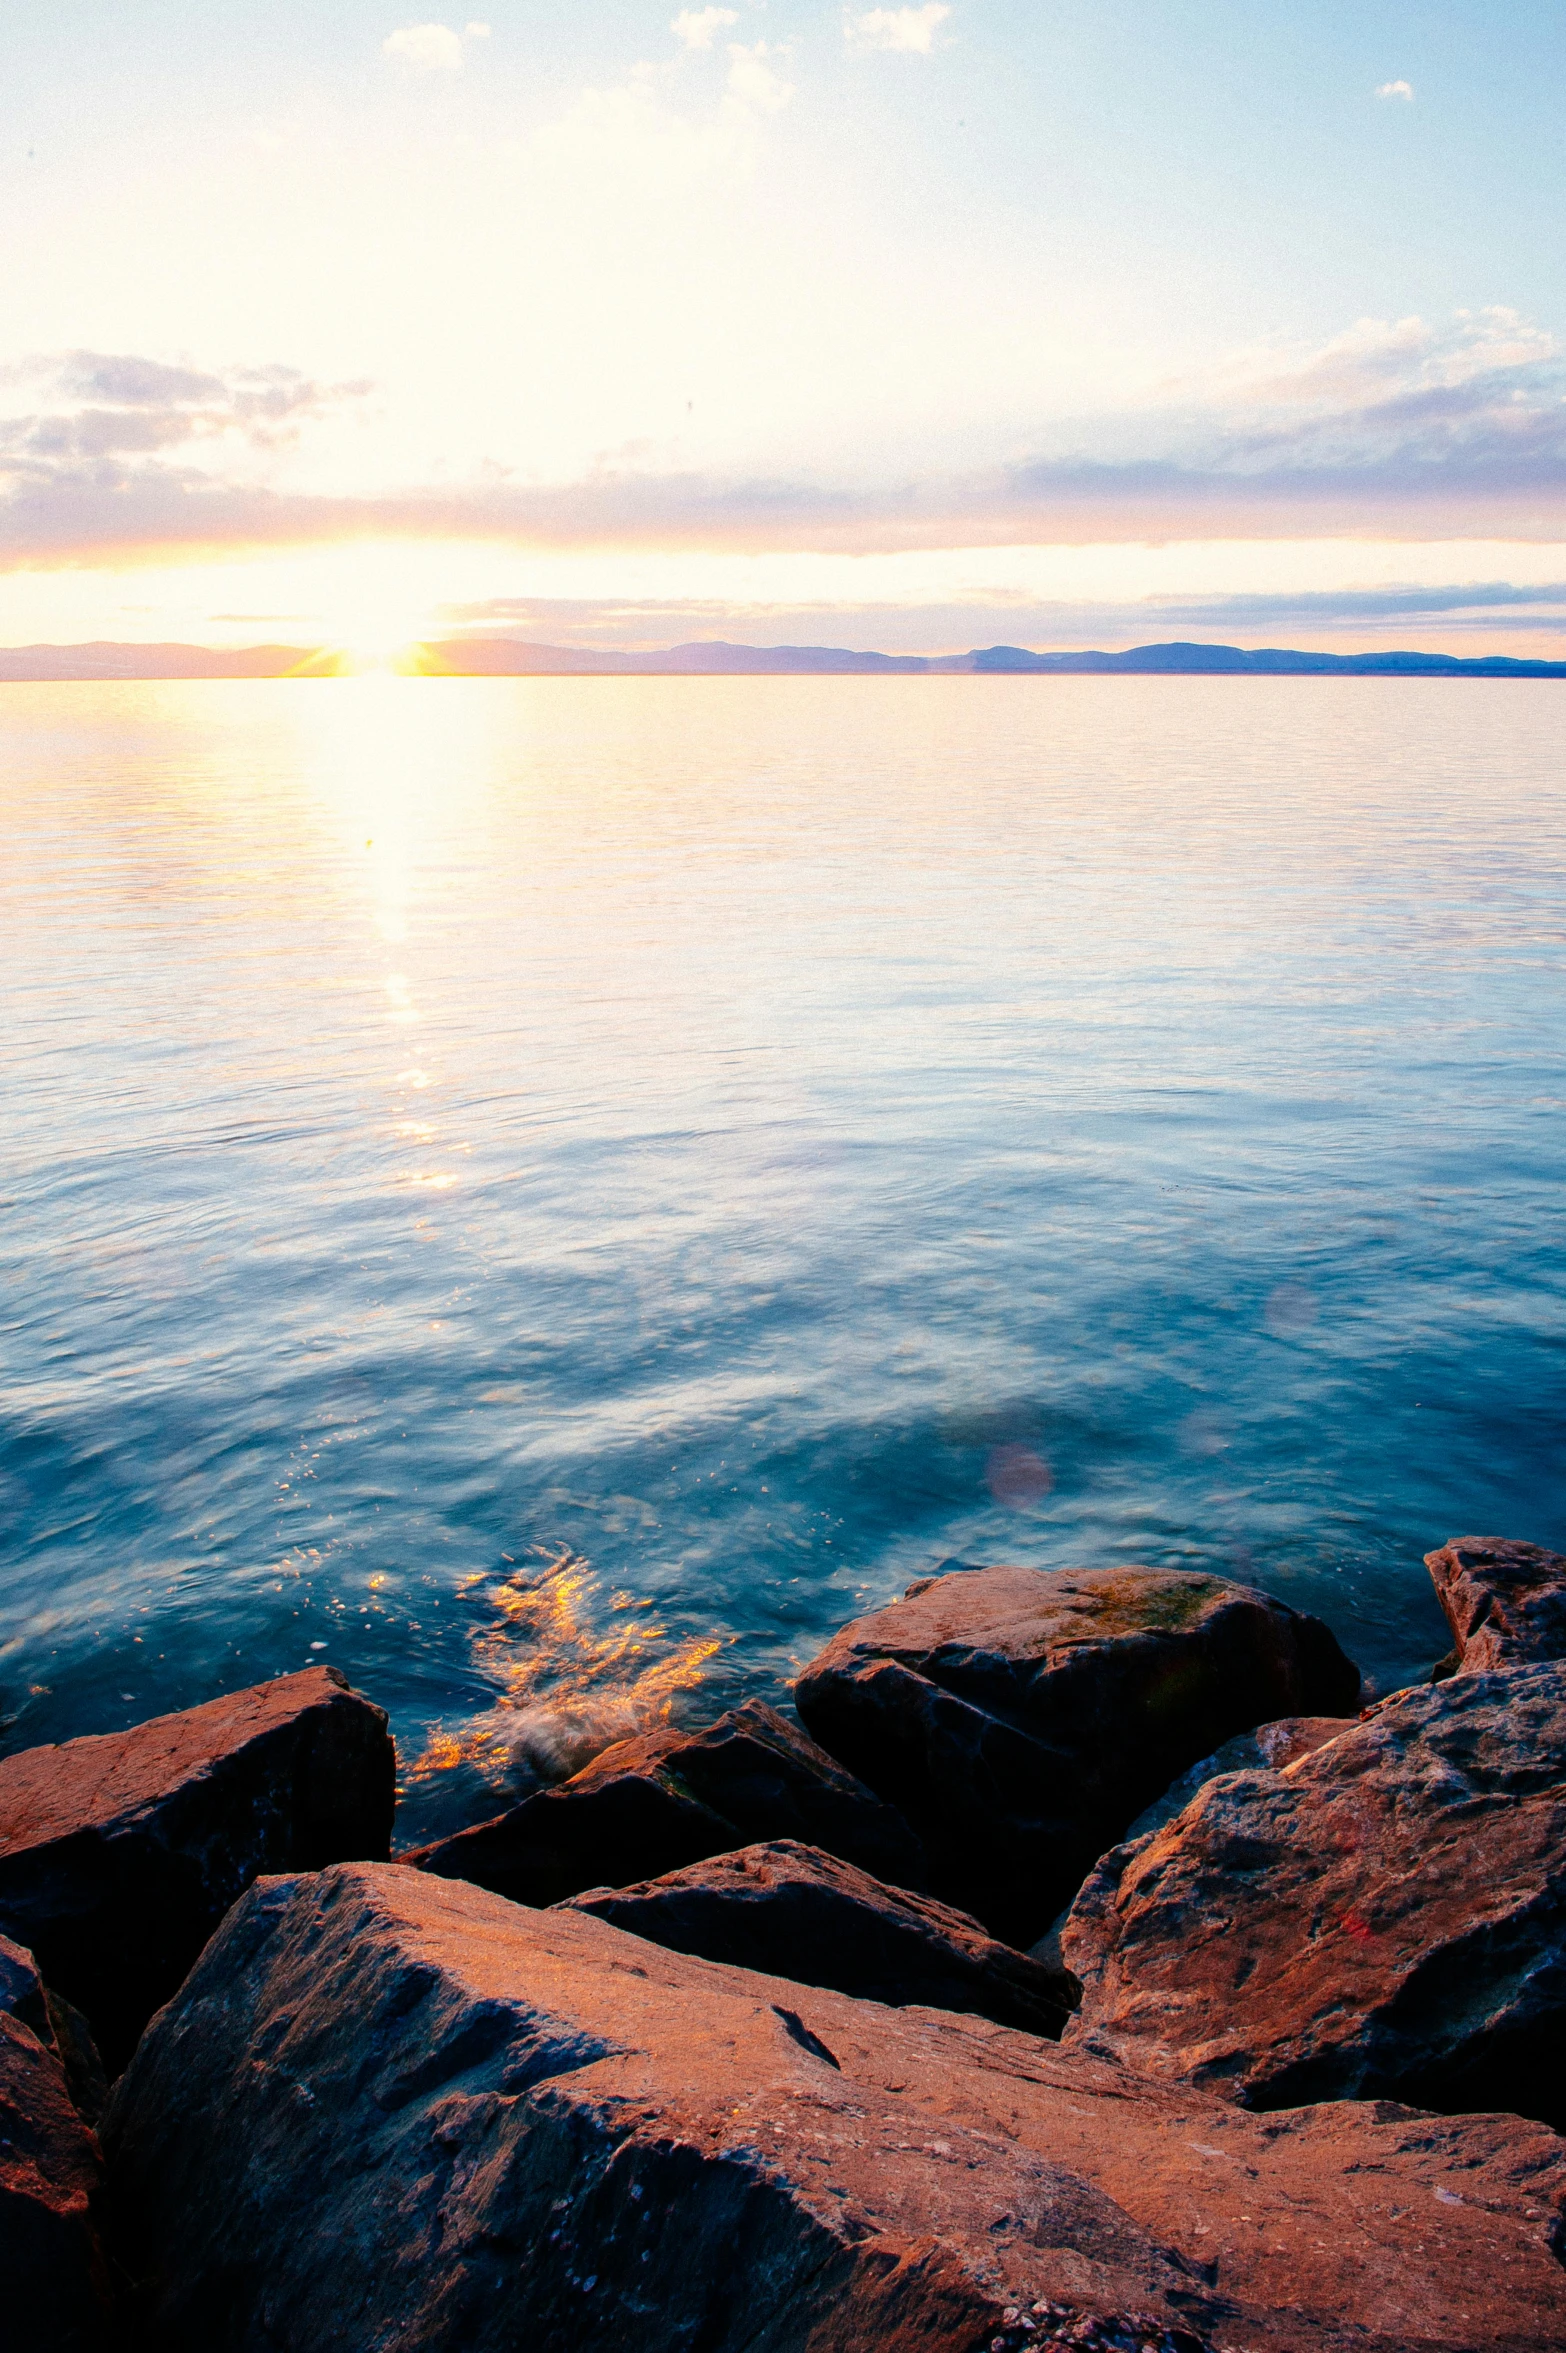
1090,1969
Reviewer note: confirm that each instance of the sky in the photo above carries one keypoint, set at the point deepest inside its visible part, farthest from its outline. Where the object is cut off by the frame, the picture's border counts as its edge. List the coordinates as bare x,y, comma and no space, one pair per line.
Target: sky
917,327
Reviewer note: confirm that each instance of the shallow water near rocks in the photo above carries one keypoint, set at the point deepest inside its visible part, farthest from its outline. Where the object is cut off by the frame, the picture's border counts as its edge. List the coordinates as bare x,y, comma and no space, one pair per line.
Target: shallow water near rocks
569,1189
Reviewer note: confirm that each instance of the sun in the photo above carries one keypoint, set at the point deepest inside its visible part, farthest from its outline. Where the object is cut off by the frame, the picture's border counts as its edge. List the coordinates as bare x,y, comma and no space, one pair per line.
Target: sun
376,611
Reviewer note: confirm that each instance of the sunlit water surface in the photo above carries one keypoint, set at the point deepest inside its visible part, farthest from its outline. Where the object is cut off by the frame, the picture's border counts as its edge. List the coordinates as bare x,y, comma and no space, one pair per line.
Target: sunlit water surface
580,1186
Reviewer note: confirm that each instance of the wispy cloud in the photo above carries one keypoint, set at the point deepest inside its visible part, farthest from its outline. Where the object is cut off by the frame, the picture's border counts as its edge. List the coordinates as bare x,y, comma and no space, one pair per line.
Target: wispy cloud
431,48
103,427
895,28
1393,430
1403,90
698,28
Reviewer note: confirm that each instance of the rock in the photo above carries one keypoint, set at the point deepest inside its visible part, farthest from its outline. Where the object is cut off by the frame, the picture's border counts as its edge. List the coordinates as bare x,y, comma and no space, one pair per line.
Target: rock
119,1853
1021,1718
388,2110
670,1798
792,1911
1270,1745
1505,1602
53,2280
58,2026
22,1990
1385,1918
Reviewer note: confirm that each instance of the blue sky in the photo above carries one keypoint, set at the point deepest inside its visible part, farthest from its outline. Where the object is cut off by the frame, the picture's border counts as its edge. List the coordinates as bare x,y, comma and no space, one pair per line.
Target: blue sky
914,326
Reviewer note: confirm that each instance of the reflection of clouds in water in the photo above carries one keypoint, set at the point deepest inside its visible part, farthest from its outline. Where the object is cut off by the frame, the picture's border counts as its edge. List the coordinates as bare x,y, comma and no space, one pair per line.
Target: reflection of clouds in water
1017,1477
1290,1309
1203,1432
568,1686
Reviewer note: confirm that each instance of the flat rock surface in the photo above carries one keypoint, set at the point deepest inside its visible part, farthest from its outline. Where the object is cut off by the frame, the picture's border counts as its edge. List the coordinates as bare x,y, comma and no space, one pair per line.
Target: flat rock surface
388,2110
53,2285
120,1853
792,1911
1386,1917
1021,1718
1504,1601
669,1798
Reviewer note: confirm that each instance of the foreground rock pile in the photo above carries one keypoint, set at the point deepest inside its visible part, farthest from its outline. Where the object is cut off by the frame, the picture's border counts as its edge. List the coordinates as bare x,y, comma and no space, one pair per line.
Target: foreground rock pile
518,2128
729,2040
1021,1719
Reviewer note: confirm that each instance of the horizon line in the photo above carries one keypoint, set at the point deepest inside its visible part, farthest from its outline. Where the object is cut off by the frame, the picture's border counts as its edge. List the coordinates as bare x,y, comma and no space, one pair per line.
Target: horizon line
105,660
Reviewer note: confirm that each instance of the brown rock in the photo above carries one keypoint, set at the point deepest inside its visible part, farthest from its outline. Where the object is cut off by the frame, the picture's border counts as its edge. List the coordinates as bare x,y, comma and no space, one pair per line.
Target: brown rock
120,1853
22,1993
1269,1746
60,2028
54,2291
1505,1602
387,2110
1021,1718
792,1911
669,1798
1384,1918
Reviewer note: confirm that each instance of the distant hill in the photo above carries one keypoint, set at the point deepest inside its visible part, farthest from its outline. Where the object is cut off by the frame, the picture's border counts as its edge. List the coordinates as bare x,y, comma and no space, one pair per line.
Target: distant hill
106,659
505,657
1231,661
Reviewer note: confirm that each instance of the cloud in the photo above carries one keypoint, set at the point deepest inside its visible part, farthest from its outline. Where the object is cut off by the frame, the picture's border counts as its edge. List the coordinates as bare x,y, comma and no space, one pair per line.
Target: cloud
1404,90
752,81
100,411
1394,429
697,27
895,28
430,48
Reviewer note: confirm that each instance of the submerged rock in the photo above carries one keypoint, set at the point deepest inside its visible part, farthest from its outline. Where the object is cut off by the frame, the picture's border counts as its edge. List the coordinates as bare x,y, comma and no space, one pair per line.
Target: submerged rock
670,1798
1021,1718
390,2110
54,2287
120,1853
792,1911
1504,1601
553,1739
1385,1918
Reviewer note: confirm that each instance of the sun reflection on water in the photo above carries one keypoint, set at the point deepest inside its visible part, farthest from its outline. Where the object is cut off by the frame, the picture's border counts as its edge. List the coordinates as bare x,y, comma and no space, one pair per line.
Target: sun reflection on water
548,1639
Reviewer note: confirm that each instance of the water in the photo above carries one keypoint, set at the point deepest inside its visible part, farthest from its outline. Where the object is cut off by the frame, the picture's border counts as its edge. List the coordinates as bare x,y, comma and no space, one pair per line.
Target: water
580,1186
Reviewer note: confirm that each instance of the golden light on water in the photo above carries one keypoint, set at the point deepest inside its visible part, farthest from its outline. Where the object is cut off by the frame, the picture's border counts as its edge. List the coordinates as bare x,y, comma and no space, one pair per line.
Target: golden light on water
550,1641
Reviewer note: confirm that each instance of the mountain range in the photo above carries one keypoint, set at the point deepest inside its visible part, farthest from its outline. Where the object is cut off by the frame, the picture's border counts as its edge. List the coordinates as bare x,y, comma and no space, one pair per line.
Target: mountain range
503,657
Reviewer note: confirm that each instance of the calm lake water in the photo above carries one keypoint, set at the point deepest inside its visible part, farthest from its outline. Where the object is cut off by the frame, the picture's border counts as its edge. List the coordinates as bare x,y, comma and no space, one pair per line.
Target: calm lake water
516,1187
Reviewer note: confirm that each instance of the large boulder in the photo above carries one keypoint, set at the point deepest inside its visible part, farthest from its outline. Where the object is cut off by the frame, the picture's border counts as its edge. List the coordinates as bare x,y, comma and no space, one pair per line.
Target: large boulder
792,1911
120,1852
54,2286
390,2110
1384,1918
1504,1601
1021,1718
669,1798
1269,1747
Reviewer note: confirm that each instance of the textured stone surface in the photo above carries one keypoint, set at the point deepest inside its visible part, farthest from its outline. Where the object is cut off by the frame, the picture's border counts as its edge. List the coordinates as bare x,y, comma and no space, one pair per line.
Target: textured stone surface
1021,1718
792,1911
59,2027
120,1853
22,1989
668,1798
1384,1918
391,2111
1505,1602
1269,1748
53,2284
